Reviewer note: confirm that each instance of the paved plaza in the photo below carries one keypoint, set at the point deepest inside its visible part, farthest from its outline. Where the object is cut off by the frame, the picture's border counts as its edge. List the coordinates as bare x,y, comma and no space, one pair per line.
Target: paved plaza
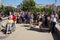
23,33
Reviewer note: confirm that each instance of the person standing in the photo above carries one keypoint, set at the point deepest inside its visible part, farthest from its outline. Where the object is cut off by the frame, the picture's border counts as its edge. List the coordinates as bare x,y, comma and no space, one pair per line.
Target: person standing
46,19
43,18
53,21
14,19
22,16
18,18
35,17
40,20
9,25
26,17
31,20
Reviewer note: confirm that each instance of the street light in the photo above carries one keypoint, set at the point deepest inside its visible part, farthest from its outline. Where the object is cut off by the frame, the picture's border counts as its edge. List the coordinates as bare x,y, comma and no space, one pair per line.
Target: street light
0,3
55,5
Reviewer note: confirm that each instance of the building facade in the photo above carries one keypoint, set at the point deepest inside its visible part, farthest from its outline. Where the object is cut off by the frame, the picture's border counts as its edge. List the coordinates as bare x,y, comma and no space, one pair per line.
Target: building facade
40,6
58,8
45,6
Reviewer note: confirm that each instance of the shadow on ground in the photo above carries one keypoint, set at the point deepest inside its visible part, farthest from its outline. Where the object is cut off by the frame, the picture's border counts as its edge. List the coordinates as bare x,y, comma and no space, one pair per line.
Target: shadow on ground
3,37
38,30
55,36
26,26
3,31
44,30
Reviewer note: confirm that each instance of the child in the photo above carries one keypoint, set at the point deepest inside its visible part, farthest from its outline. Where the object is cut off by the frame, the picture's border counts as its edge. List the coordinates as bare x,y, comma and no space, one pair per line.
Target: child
9,25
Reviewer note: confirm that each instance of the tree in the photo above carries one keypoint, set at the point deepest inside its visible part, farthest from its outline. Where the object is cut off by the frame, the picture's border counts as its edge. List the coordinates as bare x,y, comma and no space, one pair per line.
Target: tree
48,10
27,5
6,9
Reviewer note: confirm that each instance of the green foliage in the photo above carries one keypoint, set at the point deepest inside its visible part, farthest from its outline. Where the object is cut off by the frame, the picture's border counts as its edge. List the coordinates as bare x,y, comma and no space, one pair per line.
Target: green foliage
35,10
48,10
41,10
28,4
6,9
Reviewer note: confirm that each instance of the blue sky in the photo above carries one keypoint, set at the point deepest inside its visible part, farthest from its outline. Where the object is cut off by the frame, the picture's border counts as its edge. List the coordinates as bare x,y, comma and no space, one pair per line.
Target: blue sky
16,2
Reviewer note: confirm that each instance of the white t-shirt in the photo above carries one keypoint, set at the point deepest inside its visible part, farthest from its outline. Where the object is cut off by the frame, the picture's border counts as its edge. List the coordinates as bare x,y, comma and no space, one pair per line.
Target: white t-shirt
53,18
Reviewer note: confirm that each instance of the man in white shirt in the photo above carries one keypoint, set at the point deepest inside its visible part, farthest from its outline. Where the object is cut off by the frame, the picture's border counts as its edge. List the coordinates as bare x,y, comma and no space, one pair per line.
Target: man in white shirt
53,21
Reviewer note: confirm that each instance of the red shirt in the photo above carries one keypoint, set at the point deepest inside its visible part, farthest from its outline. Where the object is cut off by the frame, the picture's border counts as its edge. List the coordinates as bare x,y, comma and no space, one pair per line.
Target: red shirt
14,18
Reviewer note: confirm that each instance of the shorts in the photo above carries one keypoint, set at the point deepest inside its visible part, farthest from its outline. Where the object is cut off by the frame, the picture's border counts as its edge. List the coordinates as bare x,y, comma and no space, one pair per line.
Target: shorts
31,20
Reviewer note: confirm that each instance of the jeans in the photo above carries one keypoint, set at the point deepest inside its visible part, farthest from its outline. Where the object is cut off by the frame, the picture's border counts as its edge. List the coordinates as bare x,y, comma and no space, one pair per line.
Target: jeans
53,26
9,27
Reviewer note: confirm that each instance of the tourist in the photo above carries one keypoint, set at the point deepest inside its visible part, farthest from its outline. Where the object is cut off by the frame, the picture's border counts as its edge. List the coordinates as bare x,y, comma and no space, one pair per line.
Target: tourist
31,20
18,17
26,17
40,20
46,19
14,19
9,26
9,23
43,18
35,17
53,21
22,16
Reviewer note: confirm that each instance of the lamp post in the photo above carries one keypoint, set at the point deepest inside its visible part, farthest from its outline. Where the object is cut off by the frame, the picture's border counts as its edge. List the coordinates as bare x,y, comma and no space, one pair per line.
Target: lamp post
55,5
0,3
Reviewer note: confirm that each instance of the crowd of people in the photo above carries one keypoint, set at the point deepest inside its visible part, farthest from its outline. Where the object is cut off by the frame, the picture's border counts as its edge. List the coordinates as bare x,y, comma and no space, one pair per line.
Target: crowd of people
39,18
32,18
